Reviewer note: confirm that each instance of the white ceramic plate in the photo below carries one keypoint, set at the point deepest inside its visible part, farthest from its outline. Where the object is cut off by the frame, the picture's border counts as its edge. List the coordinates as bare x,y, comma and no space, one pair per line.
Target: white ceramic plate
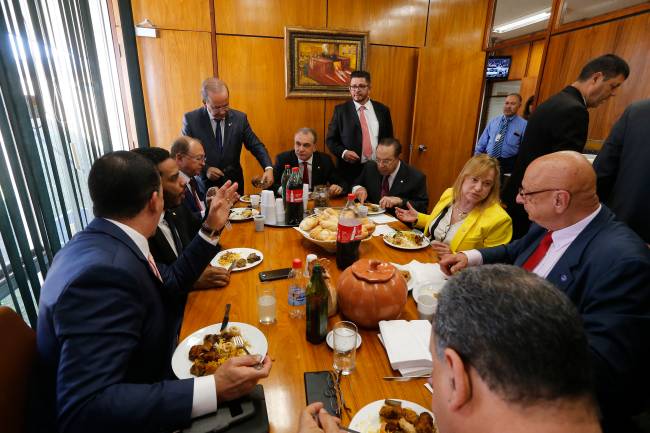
243,253
245,198
181,363
410,284
330,340
237,214
376,212
388,241
366,420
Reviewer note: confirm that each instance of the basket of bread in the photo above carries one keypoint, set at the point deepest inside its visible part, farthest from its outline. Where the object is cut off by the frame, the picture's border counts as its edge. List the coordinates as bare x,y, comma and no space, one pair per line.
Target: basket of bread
321,228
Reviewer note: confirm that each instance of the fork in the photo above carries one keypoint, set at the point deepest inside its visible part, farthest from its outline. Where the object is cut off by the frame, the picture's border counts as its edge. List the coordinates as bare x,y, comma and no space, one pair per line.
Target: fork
239,343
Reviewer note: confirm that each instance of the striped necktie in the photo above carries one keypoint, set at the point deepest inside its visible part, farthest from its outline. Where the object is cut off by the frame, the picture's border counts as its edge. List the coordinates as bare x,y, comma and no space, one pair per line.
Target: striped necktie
501,135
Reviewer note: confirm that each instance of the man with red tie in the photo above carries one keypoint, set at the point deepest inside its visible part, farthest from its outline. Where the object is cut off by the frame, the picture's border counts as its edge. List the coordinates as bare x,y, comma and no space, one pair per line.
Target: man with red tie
598,262
190,158
357,126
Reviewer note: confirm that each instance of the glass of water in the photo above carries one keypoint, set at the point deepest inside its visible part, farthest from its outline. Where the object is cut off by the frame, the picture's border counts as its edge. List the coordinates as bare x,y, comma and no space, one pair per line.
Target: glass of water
344,342
266,302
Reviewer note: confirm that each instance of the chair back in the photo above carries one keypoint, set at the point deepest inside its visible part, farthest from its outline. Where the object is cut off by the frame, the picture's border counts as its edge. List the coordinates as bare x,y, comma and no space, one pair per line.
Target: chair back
18,349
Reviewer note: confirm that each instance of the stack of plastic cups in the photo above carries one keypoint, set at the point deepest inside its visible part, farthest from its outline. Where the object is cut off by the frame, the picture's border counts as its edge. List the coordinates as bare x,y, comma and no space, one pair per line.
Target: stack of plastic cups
305,196
268,206
279,210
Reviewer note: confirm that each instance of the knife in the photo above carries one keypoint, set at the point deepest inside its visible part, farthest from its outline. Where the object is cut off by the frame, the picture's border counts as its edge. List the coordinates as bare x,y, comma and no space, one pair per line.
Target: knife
224,322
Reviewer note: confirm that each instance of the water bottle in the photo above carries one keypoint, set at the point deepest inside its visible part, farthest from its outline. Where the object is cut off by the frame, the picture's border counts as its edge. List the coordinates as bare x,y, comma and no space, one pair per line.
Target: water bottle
297,283
283,181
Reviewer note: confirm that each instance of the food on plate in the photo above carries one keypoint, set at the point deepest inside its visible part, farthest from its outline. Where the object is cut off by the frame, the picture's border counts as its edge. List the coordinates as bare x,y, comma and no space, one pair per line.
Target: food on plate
246,213
227,258
397,419
406,274
372,208
253,257
246,198
215,350
405,239
240,263
323,226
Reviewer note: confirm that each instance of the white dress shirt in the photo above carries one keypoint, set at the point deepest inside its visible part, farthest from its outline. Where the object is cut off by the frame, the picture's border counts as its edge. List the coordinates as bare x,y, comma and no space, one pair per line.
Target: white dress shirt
167,232
309,167
373,128
445,231
204,394
562,239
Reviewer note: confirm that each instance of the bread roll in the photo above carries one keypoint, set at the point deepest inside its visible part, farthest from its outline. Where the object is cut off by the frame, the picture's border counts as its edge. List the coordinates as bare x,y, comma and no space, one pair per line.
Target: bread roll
315,231
308,223
325,235
330,225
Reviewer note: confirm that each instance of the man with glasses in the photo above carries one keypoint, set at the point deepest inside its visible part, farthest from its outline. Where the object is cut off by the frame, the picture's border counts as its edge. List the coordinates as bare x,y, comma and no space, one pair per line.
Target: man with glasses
190,158
356,128
389,182
222,130
599,263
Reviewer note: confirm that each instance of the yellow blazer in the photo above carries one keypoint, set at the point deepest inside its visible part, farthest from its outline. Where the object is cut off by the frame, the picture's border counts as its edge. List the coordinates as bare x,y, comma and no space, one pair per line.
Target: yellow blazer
481,228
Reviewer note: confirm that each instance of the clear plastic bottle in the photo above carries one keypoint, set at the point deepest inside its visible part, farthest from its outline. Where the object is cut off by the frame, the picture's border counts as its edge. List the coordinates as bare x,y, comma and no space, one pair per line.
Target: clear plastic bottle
310,258
296,295
283,181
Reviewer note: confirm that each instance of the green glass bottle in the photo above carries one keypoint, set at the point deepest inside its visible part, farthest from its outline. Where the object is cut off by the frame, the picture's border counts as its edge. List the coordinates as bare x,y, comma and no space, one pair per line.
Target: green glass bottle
317,306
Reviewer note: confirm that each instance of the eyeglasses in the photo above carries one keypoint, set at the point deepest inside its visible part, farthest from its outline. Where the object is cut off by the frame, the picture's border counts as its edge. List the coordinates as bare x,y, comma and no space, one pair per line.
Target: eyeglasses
220,107
335,395
528,194
385,161
359,87
197,158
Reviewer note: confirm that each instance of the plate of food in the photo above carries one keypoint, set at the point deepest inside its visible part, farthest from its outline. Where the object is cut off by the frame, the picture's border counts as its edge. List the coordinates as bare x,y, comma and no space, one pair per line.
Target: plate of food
202,352
244,258
406,240
394,416
373,209
245,198
408,277
242,213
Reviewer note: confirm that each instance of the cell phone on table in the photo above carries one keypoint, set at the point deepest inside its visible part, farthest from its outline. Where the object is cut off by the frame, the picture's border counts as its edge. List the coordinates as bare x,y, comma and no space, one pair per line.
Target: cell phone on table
275,274
318,387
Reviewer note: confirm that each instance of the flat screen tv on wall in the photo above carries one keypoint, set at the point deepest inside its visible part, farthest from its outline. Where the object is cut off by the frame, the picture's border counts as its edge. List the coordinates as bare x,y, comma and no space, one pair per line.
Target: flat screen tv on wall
498,68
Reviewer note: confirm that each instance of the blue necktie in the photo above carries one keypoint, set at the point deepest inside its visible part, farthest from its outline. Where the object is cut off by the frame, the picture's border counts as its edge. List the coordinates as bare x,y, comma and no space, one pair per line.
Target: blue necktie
217,133
498,143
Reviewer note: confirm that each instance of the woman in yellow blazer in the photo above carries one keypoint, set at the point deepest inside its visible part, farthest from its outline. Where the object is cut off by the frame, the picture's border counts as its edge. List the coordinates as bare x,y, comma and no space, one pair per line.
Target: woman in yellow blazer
469,214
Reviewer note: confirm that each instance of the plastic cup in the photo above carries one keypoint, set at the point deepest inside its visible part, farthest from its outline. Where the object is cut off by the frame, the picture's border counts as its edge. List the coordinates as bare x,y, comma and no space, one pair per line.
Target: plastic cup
345,346
266,303
259,222
427,305
362,211
255,201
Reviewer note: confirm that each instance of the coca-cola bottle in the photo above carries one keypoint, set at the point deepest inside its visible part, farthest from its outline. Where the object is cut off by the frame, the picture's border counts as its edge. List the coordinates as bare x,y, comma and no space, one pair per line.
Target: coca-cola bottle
283,182
293,207
348,235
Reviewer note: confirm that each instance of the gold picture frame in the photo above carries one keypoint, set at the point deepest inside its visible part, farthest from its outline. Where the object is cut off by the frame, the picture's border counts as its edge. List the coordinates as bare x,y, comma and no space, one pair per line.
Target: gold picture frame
318,62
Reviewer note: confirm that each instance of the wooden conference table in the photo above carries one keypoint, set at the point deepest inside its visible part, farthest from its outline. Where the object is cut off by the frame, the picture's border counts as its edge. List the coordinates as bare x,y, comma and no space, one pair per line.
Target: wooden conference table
291,353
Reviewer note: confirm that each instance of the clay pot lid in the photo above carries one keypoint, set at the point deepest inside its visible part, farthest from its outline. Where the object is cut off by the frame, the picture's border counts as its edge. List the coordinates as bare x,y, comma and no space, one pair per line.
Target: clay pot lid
373,271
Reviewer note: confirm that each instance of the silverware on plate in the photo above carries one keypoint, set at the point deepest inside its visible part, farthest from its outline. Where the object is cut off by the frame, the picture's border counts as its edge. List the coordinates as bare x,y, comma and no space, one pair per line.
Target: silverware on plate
226,317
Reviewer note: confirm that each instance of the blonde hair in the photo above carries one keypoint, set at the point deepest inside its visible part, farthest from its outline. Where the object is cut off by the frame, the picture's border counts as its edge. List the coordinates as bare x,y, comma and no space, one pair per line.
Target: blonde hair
480,165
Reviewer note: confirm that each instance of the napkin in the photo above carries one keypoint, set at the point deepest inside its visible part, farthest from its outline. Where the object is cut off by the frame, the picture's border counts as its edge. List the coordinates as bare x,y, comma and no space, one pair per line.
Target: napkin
407,344
382,218
383,229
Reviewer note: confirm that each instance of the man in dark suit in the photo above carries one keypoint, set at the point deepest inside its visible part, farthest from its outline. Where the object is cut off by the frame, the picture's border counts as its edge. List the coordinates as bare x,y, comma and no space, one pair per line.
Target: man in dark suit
356,128
104,335
621,167
391,182
316,168
190,158
598,262
561,123
222,131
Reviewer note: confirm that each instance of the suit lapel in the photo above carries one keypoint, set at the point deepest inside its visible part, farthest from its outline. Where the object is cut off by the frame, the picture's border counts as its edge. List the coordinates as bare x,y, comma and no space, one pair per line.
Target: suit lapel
226,134
316,171
401,179
465,228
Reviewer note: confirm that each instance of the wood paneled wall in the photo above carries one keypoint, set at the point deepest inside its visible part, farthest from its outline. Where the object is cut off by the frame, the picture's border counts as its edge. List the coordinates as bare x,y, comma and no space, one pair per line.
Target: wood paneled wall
450,78
568,52
250,58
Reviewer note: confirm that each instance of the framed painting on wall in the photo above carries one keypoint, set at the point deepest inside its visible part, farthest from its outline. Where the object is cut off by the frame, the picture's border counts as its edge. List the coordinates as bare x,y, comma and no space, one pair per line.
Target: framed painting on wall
319,62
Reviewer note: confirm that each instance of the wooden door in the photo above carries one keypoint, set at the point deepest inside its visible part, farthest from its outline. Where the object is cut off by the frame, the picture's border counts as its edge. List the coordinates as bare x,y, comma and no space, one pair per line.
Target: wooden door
172,66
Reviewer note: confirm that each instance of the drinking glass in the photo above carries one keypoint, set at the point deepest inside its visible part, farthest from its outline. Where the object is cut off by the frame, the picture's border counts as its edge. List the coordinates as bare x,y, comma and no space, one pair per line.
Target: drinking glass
266,302
427,305
345,346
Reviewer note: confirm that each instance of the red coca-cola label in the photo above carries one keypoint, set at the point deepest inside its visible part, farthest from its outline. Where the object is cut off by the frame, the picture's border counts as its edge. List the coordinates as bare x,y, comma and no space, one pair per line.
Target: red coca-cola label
294,195
346,233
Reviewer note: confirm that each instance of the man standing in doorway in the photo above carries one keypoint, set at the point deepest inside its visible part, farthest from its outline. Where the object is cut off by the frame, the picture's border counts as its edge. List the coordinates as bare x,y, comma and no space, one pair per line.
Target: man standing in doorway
356,128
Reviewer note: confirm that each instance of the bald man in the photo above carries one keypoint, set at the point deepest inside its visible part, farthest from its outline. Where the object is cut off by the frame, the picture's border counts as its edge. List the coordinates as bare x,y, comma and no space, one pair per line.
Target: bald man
599,263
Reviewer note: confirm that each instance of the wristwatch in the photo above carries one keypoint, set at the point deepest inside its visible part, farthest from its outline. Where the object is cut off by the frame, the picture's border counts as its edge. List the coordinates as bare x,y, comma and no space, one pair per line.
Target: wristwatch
213,234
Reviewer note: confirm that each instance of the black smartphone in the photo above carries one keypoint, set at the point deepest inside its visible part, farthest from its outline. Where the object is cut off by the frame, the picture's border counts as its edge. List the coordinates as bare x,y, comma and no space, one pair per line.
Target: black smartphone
275,274
318,388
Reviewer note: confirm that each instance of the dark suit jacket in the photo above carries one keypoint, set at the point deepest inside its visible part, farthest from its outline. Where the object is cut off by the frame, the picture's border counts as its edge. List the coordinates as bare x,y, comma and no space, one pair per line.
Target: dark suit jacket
560,123
606,274
187,226
104,336
409,185
622,165
323,171
237,131
344,132
188,200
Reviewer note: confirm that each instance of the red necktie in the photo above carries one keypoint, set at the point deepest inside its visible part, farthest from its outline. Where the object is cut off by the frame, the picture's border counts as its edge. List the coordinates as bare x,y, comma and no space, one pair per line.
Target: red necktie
384,187
154,268
365,133
193,188
539,252
305,172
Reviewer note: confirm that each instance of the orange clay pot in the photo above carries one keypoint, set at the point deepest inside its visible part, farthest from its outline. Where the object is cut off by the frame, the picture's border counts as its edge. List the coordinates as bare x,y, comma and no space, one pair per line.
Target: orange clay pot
369,291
